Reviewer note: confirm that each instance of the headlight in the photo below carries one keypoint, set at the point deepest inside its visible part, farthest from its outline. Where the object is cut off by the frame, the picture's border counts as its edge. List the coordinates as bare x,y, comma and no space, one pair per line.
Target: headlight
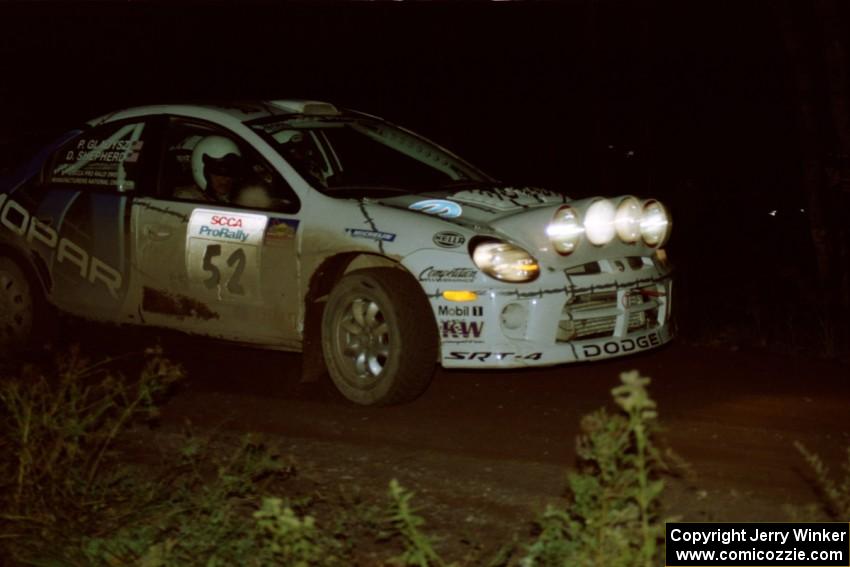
505,262
599,222
627,220
565,230
654,224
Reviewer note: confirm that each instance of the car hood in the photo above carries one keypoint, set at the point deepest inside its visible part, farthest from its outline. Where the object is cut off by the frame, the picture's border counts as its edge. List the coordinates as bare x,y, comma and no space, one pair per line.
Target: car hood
476,206
520,215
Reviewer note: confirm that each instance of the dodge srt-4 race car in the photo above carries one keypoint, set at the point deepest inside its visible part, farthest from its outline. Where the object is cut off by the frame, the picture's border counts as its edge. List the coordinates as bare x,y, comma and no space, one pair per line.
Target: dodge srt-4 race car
294,225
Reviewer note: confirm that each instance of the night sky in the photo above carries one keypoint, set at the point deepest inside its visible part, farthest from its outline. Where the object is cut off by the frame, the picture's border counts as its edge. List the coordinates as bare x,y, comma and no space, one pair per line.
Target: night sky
531,92
691,102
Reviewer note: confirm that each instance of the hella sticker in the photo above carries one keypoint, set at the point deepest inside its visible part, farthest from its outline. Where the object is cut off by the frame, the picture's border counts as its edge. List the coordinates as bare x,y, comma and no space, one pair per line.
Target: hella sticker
449,239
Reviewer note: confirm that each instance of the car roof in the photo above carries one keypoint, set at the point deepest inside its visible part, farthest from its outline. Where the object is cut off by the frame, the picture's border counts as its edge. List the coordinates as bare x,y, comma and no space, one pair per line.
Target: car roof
241,111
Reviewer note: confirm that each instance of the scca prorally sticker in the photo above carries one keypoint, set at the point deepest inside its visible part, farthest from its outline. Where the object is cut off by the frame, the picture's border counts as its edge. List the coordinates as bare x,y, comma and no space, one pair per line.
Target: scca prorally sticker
241,228
447,239
281,230
371,234
440,207
432,274
223,253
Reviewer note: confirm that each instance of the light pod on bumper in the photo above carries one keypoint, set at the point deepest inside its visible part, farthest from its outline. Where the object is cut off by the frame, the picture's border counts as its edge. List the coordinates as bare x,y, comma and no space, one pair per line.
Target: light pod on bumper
505,261
599,222
627,220
565,230
654,224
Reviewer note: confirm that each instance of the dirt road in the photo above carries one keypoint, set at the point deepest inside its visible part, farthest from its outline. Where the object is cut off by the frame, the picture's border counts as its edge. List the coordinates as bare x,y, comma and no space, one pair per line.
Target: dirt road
487,450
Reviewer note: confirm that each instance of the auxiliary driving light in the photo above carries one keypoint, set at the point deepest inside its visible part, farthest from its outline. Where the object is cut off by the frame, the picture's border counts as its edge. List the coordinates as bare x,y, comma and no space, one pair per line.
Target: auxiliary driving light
599,222
565,230
627,220
654,224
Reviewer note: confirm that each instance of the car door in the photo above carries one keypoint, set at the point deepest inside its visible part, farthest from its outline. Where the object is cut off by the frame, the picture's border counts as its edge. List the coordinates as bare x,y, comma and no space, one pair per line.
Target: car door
223,268
80,227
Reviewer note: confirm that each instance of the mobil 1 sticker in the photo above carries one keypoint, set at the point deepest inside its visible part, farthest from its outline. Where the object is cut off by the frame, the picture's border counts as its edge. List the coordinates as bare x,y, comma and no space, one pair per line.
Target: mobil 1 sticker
223,253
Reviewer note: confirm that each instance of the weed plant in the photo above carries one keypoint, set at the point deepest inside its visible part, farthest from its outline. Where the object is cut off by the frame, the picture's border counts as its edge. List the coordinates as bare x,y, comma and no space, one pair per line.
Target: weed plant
613,512
835,494
406,524
217,514
57,475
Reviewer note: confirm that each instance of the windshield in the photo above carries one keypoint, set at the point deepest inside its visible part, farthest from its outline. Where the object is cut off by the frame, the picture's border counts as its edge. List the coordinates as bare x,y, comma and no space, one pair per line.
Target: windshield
364,155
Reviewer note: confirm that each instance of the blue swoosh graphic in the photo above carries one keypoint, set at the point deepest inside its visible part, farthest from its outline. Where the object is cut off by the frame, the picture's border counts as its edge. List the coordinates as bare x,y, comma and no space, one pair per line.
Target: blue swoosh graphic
439,207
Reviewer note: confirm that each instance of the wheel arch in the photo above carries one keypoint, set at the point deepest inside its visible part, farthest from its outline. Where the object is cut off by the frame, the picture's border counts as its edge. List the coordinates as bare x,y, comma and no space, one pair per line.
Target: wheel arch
32,264
322,281
34,270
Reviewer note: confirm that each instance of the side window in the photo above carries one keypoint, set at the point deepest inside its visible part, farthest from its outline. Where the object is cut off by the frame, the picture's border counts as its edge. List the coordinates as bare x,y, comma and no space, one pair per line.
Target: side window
209,165
108,157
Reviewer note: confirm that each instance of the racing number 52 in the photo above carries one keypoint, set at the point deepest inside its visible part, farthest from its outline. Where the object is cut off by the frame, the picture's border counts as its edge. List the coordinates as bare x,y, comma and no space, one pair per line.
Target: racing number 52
236,257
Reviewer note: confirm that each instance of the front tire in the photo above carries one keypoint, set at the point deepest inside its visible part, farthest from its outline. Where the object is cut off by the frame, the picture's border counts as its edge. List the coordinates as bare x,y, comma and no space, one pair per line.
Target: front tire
379,337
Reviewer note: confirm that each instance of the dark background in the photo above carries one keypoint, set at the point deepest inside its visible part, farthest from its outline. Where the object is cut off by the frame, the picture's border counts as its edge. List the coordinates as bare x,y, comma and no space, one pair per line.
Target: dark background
702,104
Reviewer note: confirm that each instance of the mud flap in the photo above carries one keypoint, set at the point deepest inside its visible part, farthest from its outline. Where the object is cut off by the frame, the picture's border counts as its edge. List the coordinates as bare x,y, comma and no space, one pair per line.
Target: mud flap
313,368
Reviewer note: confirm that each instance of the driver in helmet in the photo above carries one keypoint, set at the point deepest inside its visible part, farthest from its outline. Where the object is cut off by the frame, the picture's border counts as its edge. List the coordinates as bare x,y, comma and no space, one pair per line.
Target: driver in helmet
216,167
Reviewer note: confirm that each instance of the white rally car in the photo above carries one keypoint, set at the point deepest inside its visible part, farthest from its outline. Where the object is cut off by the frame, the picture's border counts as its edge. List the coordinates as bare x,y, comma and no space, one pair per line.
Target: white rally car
294,225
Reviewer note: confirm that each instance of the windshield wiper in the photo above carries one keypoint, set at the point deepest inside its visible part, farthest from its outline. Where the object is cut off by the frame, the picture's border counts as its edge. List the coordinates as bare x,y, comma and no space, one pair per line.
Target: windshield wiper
390,188
470,184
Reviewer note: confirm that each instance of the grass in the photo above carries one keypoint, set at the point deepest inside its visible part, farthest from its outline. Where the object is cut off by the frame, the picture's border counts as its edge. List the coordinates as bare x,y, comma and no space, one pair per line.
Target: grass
58,433
71,494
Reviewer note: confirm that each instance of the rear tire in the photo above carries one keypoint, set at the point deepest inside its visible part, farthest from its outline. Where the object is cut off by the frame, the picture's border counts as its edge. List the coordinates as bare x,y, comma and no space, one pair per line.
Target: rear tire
379,337
22,308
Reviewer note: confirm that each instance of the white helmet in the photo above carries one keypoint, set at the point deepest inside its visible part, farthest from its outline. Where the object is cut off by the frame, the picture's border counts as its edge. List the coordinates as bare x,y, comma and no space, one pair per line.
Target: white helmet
214,153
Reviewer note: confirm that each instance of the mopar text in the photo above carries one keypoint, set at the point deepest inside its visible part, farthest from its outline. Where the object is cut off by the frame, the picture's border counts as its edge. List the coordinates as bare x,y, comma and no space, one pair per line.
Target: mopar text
18,220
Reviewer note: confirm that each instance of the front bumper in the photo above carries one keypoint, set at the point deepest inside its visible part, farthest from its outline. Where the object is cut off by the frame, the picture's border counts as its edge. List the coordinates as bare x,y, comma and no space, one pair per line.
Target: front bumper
560,318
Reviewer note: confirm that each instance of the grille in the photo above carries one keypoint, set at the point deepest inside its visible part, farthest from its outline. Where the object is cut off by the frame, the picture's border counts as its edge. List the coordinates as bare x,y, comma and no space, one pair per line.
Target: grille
594,315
